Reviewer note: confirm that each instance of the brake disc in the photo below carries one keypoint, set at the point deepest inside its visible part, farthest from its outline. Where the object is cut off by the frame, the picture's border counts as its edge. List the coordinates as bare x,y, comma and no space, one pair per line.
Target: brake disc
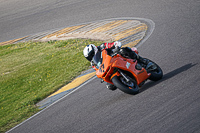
130,83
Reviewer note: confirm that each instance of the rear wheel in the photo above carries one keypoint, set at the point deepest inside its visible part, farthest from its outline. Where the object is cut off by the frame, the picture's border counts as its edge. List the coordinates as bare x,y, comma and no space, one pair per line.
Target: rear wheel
130,87
155,70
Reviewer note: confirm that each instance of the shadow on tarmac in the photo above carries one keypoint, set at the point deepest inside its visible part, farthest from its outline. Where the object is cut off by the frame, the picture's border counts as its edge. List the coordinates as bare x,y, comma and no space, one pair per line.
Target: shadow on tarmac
168,76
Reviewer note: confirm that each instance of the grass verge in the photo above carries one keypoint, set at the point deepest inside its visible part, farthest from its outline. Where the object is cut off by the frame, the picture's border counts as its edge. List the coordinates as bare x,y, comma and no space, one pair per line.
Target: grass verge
31,71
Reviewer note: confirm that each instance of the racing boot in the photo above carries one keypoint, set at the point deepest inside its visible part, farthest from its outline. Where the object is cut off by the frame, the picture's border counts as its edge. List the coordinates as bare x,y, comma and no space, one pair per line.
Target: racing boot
111,87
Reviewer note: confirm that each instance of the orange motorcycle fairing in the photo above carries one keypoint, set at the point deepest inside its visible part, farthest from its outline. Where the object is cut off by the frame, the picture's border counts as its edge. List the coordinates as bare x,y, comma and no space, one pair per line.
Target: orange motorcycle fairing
129,66
105,70
109,65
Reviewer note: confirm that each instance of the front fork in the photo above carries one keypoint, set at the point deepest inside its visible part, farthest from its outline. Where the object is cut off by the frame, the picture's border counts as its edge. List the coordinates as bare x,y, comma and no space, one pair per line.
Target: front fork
124,76
120,73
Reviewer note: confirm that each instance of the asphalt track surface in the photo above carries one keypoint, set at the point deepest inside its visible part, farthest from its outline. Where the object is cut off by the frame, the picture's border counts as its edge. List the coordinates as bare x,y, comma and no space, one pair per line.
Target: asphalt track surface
168,106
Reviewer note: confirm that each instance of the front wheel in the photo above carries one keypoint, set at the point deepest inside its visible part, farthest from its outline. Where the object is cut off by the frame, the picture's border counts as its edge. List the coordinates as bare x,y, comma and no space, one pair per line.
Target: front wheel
128,87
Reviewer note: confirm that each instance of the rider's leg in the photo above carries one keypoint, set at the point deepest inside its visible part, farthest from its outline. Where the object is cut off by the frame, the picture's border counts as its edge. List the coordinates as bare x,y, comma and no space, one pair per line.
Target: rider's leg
127,51
142,60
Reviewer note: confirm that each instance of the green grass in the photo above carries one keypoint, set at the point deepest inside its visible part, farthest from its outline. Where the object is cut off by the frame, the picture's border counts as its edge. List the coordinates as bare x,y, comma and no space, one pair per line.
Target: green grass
31,71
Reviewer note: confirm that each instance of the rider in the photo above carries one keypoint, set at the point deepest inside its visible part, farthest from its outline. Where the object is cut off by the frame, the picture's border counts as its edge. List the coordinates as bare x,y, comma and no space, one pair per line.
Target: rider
90,50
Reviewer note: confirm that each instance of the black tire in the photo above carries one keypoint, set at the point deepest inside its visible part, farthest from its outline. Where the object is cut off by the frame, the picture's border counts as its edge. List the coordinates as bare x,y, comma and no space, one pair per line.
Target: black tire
156,74
118,83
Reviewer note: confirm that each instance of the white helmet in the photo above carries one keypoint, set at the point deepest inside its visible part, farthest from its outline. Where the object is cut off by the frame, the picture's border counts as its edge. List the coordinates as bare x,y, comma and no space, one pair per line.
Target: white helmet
89,51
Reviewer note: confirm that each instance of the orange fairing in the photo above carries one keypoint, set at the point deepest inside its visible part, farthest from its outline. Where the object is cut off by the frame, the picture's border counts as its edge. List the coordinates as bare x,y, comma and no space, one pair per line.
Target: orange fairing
109,65
105,65
129,65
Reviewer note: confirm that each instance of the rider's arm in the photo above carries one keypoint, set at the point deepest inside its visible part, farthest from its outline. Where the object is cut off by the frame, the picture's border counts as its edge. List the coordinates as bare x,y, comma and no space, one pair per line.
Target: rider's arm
110,45
93,65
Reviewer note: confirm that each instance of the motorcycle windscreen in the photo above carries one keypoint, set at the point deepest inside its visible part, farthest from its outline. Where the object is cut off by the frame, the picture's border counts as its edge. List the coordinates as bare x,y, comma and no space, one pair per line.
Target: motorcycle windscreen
97,59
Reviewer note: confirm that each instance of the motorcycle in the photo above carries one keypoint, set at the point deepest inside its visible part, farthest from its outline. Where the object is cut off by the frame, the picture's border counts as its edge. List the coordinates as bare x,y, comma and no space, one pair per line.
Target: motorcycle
126,74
